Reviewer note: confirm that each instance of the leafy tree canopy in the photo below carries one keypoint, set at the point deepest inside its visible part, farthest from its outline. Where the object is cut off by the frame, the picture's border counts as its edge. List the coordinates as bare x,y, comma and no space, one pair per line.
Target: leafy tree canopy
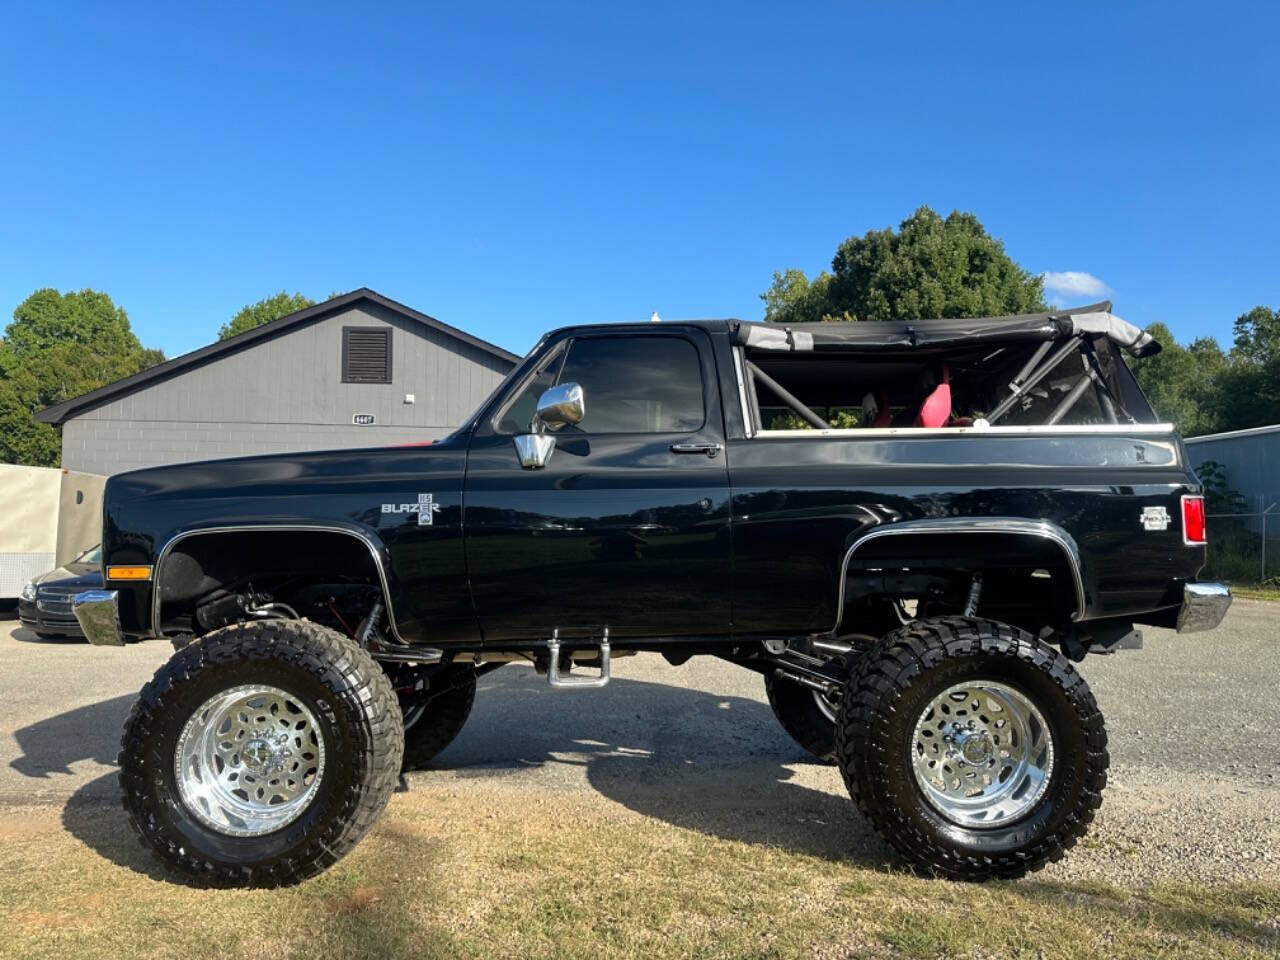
264,311
1202,390
1257,337
58,347
1182,382
931,267
86,317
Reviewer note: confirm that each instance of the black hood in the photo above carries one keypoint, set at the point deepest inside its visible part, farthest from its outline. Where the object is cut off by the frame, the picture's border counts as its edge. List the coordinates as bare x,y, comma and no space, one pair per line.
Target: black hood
87,575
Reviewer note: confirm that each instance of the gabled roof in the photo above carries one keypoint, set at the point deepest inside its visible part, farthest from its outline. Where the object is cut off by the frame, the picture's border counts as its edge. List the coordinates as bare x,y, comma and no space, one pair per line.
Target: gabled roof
62,412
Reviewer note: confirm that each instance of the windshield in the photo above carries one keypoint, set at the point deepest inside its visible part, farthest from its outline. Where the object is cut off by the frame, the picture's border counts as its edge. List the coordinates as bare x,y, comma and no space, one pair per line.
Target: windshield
92,555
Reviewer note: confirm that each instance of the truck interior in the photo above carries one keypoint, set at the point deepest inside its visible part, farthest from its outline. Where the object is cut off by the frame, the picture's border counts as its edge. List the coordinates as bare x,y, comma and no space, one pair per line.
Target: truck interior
1038,370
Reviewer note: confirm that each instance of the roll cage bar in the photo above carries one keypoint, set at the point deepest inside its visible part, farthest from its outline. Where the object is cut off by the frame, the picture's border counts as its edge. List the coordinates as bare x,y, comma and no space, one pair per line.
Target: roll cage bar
1039,365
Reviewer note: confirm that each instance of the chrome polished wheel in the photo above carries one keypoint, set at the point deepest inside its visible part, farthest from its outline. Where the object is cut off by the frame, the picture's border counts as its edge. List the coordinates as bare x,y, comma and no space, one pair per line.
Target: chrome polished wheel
249,760
982,754
828,704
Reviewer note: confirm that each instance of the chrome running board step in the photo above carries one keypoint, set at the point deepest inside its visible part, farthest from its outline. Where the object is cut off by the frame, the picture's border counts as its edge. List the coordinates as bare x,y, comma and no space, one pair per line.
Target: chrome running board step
554,677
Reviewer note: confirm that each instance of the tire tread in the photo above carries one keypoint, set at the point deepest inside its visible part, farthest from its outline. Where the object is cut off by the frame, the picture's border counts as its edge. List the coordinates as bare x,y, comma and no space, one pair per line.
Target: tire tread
879,680
341,666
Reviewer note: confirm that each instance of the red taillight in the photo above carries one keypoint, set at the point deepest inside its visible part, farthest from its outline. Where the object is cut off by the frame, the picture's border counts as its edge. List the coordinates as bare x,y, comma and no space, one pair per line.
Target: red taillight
1193,520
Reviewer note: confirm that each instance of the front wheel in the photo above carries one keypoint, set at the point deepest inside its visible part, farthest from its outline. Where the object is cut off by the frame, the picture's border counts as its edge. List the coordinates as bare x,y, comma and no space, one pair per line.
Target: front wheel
261,753
808,715
975,749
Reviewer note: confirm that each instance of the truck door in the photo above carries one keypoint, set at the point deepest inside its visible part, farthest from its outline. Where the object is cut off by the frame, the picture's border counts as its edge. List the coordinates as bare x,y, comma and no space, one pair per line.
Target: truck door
627,525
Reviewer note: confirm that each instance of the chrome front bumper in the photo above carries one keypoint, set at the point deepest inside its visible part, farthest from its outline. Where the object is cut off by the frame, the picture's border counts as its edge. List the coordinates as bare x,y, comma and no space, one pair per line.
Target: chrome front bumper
98,614
1203,606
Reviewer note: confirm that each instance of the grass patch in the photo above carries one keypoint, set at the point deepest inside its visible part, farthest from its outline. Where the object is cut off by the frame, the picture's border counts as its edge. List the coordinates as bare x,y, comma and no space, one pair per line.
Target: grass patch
1255,593
456,875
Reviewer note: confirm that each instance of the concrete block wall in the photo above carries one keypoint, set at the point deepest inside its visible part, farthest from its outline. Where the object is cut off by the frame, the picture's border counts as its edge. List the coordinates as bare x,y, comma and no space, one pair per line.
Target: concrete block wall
93,447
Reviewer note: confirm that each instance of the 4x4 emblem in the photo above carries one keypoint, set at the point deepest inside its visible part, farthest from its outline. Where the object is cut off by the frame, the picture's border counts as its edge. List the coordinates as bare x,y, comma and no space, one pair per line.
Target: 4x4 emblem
425,508
1154,518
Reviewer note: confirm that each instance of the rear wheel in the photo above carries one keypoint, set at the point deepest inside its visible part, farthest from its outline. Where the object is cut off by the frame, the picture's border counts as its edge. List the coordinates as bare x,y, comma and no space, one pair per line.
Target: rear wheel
261,753
975,749
435,713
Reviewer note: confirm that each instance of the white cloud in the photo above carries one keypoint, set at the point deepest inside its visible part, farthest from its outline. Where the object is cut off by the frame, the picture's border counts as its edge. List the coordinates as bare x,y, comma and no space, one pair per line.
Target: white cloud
1075,283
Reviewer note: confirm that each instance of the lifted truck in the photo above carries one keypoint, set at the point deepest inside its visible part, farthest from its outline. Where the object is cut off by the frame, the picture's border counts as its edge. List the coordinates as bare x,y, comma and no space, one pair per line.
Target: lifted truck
910,530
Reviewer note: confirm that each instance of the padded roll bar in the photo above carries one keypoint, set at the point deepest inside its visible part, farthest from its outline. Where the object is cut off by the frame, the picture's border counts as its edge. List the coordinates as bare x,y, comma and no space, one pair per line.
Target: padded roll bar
755,373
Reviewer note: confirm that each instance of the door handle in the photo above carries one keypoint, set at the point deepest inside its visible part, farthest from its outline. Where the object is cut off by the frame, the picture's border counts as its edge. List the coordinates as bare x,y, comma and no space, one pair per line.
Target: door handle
710,449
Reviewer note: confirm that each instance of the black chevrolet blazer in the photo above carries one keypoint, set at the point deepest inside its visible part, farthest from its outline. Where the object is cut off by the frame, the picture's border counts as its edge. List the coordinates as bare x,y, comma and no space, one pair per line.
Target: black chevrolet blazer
909,529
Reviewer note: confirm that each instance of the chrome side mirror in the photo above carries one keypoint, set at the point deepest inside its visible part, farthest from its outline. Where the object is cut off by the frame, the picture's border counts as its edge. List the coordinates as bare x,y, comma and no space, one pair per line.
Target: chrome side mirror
557,407
561,406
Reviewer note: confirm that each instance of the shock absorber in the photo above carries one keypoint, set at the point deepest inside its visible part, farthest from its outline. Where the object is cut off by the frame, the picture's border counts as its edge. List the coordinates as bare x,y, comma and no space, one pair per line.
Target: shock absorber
369,629
975,591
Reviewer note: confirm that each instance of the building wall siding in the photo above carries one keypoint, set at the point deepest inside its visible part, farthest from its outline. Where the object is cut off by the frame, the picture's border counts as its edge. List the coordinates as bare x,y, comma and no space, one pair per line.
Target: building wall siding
287,394
1251,462
133,444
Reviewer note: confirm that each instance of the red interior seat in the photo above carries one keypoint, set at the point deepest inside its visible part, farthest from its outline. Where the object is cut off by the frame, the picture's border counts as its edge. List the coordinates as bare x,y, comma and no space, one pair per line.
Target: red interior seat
936,409
882,417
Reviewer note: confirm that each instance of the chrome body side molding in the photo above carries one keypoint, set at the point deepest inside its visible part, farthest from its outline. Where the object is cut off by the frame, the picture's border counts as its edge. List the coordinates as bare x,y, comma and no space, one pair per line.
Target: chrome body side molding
373,547
1092,429
974,525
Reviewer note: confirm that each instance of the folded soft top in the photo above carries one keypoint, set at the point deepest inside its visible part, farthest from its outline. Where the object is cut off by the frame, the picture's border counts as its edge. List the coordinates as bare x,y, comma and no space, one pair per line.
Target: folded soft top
1095,319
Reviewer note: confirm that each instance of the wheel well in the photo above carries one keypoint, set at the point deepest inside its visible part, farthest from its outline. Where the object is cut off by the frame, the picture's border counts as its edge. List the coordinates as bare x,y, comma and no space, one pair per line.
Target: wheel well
284,565
1027,580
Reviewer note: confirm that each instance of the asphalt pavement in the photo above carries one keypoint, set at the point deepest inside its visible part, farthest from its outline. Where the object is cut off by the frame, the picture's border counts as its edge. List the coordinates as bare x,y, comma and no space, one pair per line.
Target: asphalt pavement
1194,786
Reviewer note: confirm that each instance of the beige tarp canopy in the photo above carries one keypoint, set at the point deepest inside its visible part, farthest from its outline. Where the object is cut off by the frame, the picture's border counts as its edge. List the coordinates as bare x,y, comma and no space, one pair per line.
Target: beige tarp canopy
47,517
29,520
79,514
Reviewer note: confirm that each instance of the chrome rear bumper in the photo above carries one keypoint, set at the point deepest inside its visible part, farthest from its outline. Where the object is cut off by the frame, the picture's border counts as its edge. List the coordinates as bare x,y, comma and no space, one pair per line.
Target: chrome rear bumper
98,614
1203,606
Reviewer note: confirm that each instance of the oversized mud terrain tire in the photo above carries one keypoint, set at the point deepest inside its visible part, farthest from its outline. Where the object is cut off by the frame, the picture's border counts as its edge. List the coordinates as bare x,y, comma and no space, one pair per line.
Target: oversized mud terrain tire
799,710
260,754
976,750
433,720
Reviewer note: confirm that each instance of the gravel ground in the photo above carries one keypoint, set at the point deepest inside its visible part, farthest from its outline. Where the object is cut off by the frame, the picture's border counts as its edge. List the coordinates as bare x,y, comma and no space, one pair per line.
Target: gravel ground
1194,790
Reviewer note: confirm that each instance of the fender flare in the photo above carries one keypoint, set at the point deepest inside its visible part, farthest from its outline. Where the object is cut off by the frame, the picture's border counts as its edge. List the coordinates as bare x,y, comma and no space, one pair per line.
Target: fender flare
1016,526
375,547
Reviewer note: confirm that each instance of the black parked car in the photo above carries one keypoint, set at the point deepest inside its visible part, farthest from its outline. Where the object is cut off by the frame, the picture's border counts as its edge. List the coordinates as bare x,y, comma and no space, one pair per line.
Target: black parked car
45,603
910,530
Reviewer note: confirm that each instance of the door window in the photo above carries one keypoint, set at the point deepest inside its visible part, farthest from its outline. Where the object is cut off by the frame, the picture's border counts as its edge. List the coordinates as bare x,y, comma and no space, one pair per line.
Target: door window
644,384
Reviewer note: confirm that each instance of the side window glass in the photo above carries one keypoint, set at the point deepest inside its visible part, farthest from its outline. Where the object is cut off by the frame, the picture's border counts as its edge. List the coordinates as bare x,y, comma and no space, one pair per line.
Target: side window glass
517,415
644,384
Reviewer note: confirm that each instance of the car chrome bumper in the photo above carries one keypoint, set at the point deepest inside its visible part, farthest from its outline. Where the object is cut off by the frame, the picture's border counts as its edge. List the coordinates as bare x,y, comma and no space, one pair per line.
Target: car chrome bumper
1203,606
98,613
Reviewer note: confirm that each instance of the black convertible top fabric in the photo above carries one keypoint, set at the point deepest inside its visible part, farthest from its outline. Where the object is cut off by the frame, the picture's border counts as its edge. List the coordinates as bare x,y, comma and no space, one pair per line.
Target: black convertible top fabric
898,335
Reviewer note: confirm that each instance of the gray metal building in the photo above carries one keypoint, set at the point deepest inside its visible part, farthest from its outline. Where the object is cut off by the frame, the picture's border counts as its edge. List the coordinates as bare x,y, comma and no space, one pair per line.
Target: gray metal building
1250,458
357,370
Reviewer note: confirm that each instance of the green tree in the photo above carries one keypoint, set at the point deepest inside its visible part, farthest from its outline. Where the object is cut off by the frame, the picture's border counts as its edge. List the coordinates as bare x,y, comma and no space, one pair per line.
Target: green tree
1257,337
930,267
1219,497
1184,384
87,317
794,298
58,347
264,311
1250,388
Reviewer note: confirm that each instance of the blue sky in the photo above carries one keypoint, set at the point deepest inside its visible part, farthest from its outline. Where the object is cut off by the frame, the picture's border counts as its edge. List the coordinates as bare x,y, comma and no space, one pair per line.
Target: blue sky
512,168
